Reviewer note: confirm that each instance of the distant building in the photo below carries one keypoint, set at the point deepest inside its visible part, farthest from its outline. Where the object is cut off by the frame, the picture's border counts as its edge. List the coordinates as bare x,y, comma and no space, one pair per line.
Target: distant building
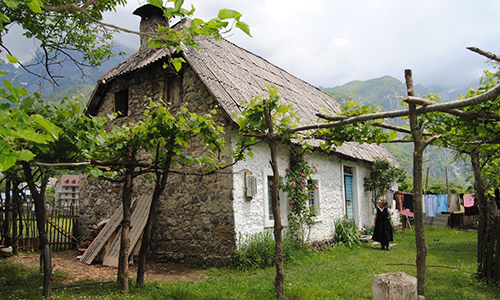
67,192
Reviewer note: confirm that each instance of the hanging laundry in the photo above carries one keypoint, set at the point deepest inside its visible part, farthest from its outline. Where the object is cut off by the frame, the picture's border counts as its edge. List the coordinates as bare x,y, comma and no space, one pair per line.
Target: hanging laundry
399,196
454,203
408,201
472,210
430,205
469,200
389,198
442,204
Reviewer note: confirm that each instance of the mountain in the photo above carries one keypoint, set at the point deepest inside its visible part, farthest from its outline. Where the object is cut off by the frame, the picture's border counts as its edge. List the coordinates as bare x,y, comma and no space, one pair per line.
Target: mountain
71,80
387,92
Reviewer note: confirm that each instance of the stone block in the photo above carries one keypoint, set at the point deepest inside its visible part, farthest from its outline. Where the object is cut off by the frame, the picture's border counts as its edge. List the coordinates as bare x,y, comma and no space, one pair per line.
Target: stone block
394,286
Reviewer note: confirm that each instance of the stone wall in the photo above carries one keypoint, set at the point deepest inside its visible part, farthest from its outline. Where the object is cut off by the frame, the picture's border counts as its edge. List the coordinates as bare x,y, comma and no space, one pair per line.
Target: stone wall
195,220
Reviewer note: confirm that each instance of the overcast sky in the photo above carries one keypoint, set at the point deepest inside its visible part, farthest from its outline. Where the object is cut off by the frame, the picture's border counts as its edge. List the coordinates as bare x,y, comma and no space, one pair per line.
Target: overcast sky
331,42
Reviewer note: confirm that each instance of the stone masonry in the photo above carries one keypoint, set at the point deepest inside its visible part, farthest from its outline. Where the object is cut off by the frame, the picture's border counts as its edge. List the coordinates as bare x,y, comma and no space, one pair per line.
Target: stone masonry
195,220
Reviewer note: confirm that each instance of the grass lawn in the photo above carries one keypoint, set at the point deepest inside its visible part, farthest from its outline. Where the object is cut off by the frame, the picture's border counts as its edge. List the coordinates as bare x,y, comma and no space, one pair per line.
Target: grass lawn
336,273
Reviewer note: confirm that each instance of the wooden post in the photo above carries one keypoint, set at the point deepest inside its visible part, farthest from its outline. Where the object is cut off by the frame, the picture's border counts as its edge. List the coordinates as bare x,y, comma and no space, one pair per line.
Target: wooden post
447,186
426,179
419,147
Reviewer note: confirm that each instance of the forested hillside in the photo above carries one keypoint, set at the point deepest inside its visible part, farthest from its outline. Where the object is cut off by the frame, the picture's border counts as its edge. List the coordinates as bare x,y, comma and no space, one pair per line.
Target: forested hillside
388,92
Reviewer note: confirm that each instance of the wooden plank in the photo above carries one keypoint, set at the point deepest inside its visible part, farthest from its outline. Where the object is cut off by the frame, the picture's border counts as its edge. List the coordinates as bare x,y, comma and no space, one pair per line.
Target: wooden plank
103,237
137,222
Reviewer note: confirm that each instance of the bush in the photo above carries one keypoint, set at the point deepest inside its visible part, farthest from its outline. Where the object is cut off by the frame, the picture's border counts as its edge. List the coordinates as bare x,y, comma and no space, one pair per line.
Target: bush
258,250
346,232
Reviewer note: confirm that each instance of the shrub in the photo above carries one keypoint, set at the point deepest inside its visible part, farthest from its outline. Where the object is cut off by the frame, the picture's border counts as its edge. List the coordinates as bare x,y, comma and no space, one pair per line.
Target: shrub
346,232
257,251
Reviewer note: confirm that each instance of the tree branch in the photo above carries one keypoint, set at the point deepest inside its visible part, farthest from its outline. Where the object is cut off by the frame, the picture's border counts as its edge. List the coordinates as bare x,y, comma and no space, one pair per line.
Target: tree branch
392,127
485,53
442,107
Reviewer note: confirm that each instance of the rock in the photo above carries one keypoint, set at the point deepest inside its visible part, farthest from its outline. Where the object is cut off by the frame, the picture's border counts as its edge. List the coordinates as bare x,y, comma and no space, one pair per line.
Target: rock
5,251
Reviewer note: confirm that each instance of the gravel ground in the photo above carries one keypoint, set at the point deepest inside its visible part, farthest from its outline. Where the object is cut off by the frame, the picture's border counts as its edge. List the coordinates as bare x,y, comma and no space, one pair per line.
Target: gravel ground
67,262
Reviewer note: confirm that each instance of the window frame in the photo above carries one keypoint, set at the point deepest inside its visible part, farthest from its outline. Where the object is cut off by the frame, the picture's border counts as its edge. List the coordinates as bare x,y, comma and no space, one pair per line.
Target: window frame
268,215
316,196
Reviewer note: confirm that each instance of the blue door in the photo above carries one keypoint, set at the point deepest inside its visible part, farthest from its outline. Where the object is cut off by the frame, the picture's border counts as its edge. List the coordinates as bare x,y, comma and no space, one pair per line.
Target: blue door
348,196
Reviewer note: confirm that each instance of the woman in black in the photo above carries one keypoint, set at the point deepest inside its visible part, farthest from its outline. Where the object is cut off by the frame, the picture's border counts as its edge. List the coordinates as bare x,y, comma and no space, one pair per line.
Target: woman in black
383,228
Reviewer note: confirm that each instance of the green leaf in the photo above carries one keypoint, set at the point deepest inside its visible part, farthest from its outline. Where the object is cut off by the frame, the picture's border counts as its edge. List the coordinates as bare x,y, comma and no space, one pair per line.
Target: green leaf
158,3
25,155
30,135
35,6
51,128
244,27
177,63
11,58
7,161
178,4
229,14
11,3
5,148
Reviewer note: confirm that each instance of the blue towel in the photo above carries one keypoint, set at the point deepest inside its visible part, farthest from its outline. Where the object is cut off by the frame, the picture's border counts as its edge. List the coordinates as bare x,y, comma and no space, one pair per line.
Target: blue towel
442,203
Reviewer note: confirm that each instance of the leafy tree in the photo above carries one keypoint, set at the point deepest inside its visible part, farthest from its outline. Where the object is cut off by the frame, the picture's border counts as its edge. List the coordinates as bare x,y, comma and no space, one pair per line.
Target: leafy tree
34,130
476,134
169,135
265,120
383,174
65,26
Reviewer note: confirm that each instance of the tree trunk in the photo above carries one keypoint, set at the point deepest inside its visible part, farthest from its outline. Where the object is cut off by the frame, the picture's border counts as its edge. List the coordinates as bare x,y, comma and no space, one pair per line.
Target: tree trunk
161,182
125,224
15,209
8,208
419,147
486,235
41,216
279,281
278,227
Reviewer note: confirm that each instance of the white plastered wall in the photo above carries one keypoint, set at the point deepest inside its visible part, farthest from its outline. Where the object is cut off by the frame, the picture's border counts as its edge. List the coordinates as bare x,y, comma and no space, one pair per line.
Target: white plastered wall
251,215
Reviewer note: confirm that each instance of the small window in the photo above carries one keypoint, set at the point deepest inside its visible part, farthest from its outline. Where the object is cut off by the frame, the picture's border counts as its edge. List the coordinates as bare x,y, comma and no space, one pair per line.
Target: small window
314,197
282,199
121,103
269,197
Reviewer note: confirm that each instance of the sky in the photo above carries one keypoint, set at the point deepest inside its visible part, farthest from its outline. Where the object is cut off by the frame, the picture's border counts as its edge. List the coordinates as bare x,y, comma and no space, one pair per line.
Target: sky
330,42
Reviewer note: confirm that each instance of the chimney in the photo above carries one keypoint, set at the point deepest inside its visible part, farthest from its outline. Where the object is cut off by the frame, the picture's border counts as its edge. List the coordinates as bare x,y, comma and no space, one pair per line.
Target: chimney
151,17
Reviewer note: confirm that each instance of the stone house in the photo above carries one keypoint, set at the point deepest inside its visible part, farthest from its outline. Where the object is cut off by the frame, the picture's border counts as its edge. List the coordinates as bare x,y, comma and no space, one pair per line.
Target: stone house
202,218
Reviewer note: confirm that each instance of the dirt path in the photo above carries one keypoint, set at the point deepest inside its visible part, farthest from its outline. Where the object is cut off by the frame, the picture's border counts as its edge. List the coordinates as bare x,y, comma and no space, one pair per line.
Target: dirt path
67,262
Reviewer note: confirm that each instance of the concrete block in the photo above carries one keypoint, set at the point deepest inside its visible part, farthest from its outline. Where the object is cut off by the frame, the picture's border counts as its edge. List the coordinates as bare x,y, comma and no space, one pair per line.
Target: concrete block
394,286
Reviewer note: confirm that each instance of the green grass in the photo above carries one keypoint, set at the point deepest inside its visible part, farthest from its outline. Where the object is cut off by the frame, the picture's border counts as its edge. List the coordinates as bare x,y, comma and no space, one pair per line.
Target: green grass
336,273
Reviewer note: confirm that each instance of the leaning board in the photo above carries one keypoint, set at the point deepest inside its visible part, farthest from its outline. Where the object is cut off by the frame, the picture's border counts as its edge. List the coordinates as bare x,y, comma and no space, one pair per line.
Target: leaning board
138,221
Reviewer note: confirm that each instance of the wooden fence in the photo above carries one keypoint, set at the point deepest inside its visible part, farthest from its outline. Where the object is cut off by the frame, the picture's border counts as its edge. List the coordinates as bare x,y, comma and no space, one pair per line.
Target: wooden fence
19,228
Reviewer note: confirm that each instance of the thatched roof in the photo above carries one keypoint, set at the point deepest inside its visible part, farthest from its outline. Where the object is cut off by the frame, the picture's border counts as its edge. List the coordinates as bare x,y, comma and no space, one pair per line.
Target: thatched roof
234,75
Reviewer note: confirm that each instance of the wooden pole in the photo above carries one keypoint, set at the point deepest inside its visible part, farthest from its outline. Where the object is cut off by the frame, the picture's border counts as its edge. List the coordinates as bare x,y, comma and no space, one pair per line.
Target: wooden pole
447,186
419,147
426,179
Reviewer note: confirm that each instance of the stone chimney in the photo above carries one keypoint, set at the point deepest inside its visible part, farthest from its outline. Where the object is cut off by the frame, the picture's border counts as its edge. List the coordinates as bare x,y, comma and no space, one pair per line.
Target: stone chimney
151,17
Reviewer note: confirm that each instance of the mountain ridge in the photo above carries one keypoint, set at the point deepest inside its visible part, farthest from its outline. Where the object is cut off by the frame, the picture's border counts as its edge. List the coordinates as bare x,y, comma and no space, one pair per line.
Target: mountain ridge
388,92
